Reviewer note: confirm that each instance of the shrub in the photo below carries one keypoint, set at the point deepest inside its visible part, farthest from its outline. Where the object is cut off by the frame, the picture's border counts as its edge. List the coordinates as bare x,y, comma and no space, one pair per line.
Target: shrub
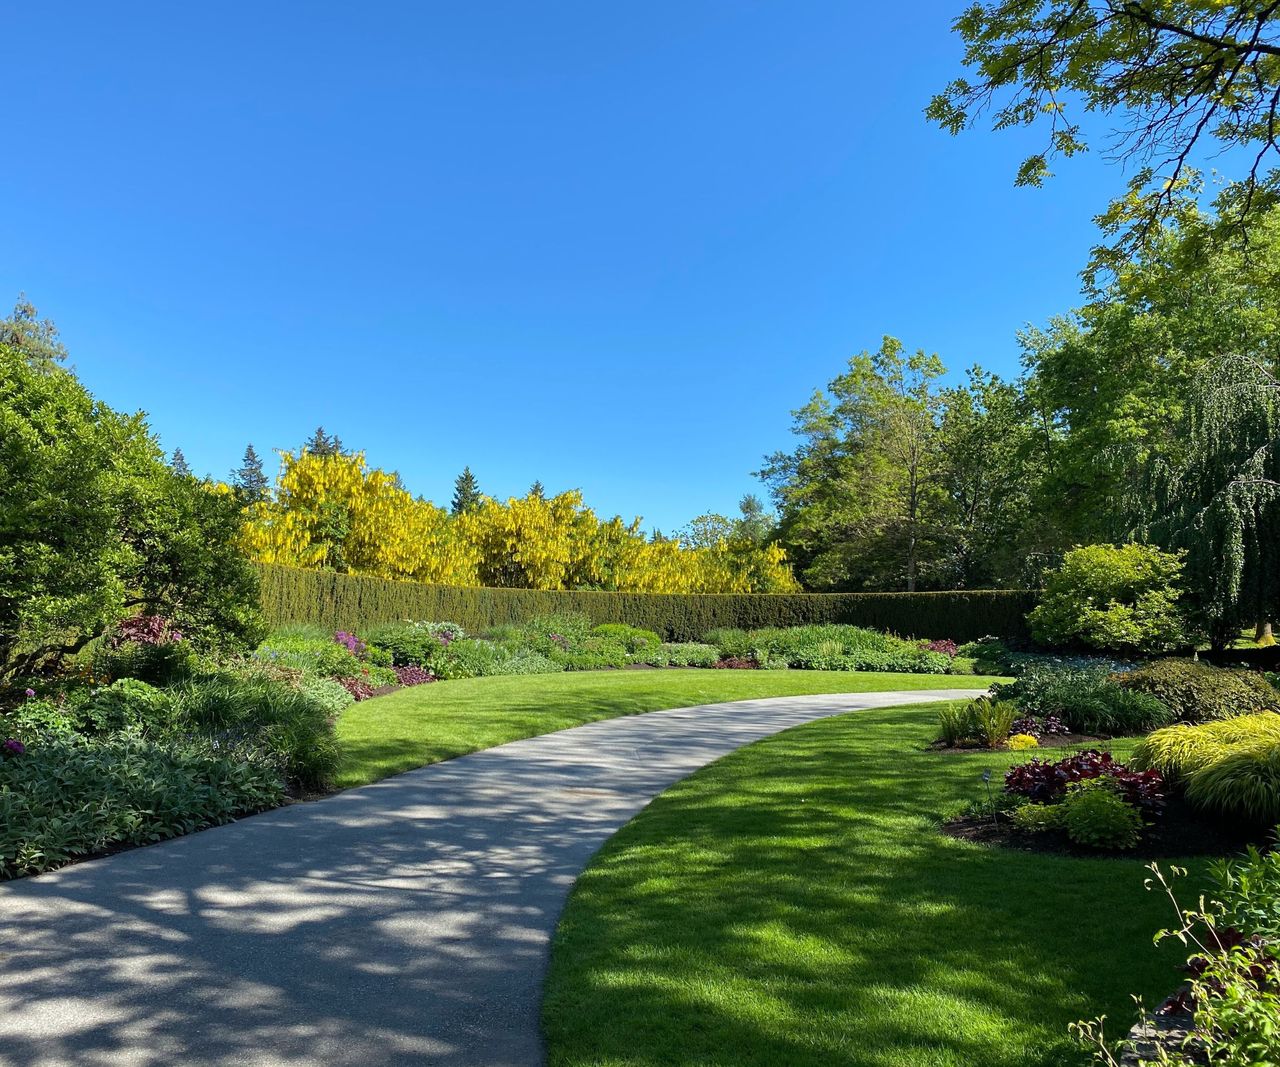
159,664
1094,813
1021,742
415,644
37,717
1175,751
1119,598
1248,893
127,704
830,647
323,656
1243,781
595,653
736,663
1046,781
981,721
1036,818
1085,696
356,688
1049,725
688,654
328,693
413,676
1196,692
71,796
632,638
250,712
946,646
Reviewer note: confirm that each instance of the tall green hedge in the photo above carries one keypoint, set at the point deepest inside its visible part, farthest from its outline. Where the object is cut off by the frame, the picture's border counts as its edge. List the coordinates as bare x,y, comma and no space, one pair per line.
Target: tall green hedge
348,601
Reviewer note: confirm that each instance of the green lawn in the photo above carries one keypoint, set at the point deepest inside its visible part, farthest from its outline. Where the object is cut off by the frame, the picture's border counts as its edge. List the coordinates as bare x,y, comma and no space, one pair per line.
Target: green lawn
429,723
793,904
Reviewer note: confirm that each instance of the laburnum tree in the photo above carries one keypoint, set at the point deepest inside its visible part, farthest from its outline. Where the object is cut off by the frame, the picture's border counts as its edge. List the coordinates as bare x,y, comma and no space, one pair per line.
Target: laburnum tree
335,512
1173,77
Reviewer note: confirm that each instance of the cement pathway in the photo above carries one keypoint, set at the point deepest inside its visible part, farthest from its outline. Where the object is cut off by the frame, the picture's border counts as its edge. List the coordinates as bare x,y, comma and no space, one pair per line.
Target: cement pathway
405,922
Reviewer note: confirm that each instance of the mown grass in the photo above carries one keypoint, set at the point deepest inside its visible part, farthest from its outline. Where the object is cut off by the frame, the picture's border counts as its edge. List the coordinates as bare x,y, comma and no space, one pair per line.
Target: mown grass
429,723
794,905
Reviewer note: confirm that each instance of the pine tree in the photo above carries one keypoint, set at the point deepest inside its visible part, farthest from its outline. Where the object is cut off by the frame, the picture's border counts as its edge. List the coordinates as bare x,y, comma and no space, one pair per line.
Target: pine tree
322,444
466,492
249,479
536,491
179,464
35,338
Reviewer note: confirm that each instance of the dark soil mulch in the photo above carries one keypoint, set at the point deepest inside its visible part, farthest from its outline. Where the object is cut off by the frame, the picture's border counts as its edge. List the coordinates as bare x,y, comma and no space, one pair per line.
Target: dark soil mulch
1179,831
1051,741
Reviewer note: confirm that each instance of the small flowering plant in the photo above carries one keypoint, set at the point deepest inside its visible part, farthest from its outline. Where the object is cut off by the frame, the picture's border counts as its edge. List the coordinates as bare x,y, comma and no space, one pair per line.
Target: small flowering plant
12,747
351,642
946,646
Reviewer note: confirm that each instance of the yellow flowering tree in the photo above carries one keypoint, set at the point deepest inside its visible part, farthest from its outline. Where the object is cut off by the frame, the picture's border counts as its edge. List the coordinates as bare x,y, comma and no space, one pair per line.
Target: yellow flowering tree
332,511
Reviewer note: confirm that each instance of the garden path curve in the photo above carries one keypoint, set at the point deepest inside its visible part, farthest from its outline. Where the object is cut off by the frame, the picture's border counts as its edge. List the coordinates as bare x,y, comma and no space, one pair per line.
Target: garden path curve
402,922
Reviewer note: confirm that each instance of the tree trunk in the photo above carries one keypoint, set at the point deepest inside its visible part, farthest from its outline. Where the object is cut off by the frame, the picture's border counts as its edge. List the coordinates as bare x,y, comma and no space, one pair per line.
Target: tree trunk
1262,633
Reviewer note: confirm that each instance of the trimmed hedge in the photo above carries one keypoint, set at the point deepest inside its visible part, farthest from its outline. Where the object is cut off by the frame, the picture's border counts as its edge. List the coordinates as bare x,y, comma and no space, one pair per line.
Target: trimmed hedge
345,601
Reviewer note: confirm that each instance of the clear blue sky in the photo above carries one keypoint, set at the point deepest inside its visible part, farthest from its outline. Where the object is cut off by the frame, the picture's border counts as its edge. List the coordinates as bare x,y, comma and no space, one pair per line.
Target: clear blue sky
601,245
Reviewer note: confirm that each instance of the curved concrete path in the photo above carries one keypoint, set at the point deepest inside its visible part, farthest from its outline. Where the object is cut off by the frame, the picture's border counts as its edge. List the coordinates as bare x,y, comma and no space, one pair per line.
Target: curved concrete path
403,922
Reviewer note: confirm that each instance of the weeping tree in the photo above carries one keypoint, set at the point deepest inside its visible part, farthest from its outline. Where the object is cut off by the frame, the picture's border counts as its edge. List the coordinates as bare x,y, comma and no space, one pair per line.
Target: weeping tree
1216,493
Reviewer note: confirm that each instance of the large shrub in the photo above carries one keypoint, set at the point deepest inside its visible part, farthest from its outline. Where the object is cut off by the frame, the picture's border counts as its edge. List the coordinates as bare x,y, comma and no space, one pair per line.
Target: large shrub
1196,692
1117,598
1176,751
97,525
72,796
1085,696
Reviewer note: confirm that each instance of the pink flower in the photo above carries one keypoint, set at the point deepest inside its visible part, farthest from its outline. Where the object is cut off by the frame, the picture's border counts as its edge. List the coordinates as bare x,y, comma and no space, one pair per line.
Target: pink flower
30,693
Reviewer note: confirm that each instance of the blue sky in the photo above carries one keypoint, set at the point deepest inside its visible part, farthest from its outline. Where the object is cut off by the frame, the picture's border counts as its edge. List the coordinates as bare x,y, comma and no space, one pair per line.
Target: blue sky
605,246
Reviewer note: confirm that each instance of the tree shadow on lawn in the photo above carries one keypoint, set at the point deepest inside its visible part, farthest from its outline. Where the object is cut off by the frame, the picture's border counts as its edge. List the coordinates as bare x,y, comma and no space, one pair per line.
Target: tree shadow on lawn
794,904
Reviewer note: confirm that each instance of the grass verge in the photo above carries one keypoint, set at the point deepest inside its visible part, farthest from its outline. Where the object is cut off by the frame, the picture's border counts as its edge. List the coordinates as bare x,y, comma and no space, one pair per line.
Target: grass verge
793,905
428,723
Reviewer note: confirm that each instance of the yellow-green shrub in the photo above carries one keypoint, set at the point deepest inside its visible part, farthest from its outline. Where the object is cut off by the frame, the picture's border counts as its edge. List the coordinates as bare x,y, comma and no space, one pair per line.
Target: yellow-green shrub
1177,751
1243,782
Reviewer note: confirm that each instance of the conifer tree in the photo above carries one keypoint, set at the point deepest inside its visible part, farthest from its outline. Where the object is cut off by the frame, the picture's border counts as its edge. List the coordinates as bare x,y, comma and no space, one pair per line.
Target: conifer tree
537,492
249,479
323,444
466,492
179,464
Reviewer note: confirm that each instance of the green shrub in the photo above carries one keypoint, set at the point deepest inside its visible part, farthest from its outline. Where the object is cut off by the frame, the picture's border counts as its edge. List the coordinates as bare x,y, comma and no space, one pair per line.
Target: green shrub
72,796
830,647
250,712
344,601
1094,814
325,692
633,639
126,705
414,644
593,654
159,665
1248,893
323,656
1118,598
981,721
1086,696
1037,818
1195,692
36,718
686,654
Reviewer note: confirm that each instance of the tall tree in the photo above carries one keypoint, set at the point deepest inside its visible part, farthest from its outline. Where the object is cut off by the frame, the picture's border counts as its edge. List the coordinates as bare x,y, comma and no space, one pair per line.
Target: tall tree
859,498
179,464
323,444
1171,74
466,492
537,491
37,339
249,479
